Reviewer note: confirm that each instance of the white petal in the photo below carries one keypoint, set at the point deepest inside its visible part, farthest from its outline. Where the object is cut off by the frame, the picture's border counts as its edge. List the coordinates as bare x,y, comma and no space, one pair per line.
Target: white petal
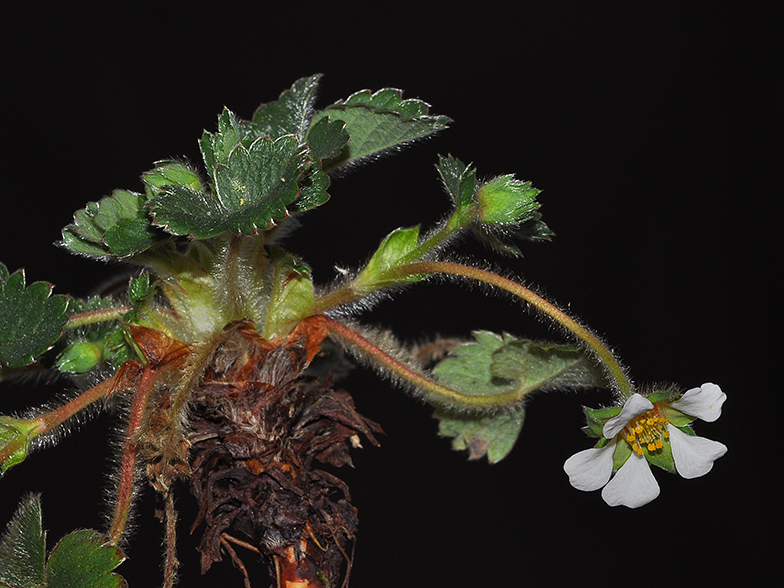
703,402
634,406
694,456
590,469
633,485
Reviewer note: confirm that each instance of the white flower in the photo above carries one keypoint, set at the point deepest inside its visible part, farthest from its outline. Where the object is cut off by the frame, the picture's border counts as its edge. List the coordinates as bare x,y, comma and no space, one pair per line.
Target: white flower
646,431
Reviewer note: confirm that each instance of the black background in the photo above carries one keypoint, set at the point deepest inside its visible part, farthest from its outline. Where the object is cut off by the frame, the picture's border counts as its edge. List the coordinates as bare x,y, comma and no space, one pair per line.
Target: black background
652,131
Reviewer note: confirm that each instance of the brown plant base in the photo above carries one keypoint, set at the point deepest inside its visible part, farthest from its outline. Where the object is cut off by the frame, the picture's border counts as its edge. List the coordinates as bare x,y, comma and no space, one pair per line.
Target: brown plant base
257,428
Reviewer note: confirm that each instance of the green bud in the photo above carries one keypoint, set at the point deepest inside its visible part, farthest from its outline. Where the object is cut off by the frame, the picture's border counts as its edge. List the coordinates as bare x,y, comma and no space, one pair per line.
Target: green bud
507,201
80,357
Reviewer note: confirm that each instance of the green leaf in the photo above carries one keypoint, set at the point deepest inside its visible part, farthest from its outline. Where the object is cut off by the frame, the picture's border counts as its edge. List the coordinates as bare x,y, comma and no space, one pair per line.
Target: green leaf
117,226
492,365
292,296
82,559
31,319
378,122
290,113
23,547
493,436
327,137
140,288
397,248
459,180
215,148
253,188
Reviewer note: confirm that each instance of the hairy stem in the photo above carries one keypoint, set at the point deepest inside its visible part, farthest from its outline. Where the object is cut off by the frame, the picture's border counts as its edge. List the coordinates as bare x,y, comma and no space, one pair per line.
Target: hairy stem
611,364
436,390
97,316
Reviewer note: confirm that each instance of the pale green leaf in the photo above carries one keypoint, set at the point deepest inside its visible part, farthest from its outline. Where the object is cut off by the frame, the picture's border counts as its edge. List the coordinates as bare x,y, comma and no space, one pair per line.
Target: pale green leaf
493,436
117,226
397,248
292,296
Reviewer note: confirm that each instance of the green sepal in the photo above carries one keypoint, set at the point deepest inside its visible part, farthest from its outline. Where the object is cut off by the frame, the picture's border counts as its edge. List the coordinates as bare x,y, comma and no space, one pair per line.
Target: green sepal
326,138
292,297
116,226
661,457
596,418
377,122
81,559
31,319
289,114
15,438
253,188
397,248
506,201
23,547
622,453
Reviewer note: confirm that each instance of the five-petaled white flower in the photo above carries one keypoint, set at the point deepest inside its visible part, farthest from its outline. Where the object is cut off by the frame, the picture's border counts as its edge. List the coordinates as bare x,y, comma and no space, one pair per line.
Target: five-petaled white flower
646,431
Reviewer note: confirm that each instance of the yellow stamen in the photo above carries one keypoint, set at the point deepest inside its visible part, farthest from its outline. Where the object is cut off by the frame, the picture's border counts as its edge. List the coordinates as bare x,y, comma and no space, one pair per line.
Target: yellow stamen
647,430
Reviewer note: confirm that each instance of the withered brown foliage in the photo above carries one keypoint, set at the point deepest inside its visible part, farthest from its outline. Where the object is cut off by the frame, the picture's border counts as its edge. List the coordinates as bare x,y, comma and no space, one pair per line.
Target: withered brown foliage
259,428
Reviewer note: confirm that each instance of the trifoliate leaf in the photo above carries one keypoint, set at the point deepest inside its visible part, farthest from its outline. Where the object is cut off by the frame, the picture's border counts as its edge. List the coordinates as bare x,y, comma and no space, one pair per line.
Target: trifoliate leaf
253,188
397,248
378,122
506,201
82,559
116,226
31,319
326,138
496,365
289,114
23,547
459,180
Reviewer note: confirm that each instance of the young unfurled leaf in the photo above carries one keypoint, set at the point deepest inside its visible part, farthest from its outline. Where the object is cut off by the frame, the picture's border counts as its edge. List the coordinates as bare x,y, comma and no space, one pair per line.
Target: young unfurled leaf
396,248
377,122
31,319
23,547
289,114
80,560
253,188
215,148
170,173
495,364
116,226
292,296
459,180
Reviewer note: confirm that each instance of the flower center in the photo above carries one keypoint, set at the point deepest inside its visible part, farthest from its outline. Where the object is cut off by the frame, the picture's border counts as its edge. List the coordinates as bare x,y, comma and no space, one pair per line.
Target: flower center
647,430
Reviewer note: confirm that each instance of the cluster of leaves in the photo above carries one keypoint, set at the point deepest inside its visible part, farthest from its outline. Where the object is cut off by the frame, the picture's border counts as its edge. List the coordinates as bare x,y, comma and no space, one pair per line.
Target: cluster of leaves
79,560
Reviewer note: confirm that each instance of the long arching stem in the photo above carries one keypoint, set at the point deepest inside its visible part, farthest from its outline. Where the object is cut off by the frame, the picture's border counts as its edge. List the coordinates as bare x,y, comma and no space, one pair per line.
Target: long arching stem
582,333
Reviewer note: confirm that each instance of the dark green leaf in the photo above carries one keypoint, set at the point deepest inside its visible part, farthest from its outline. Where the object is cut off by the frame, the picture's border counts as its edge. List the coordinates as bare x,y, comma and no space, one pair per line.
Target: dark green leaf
140,288
23,547
378,122
326,138
82,559
289,114
116,226
215,148
31,320
253,189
